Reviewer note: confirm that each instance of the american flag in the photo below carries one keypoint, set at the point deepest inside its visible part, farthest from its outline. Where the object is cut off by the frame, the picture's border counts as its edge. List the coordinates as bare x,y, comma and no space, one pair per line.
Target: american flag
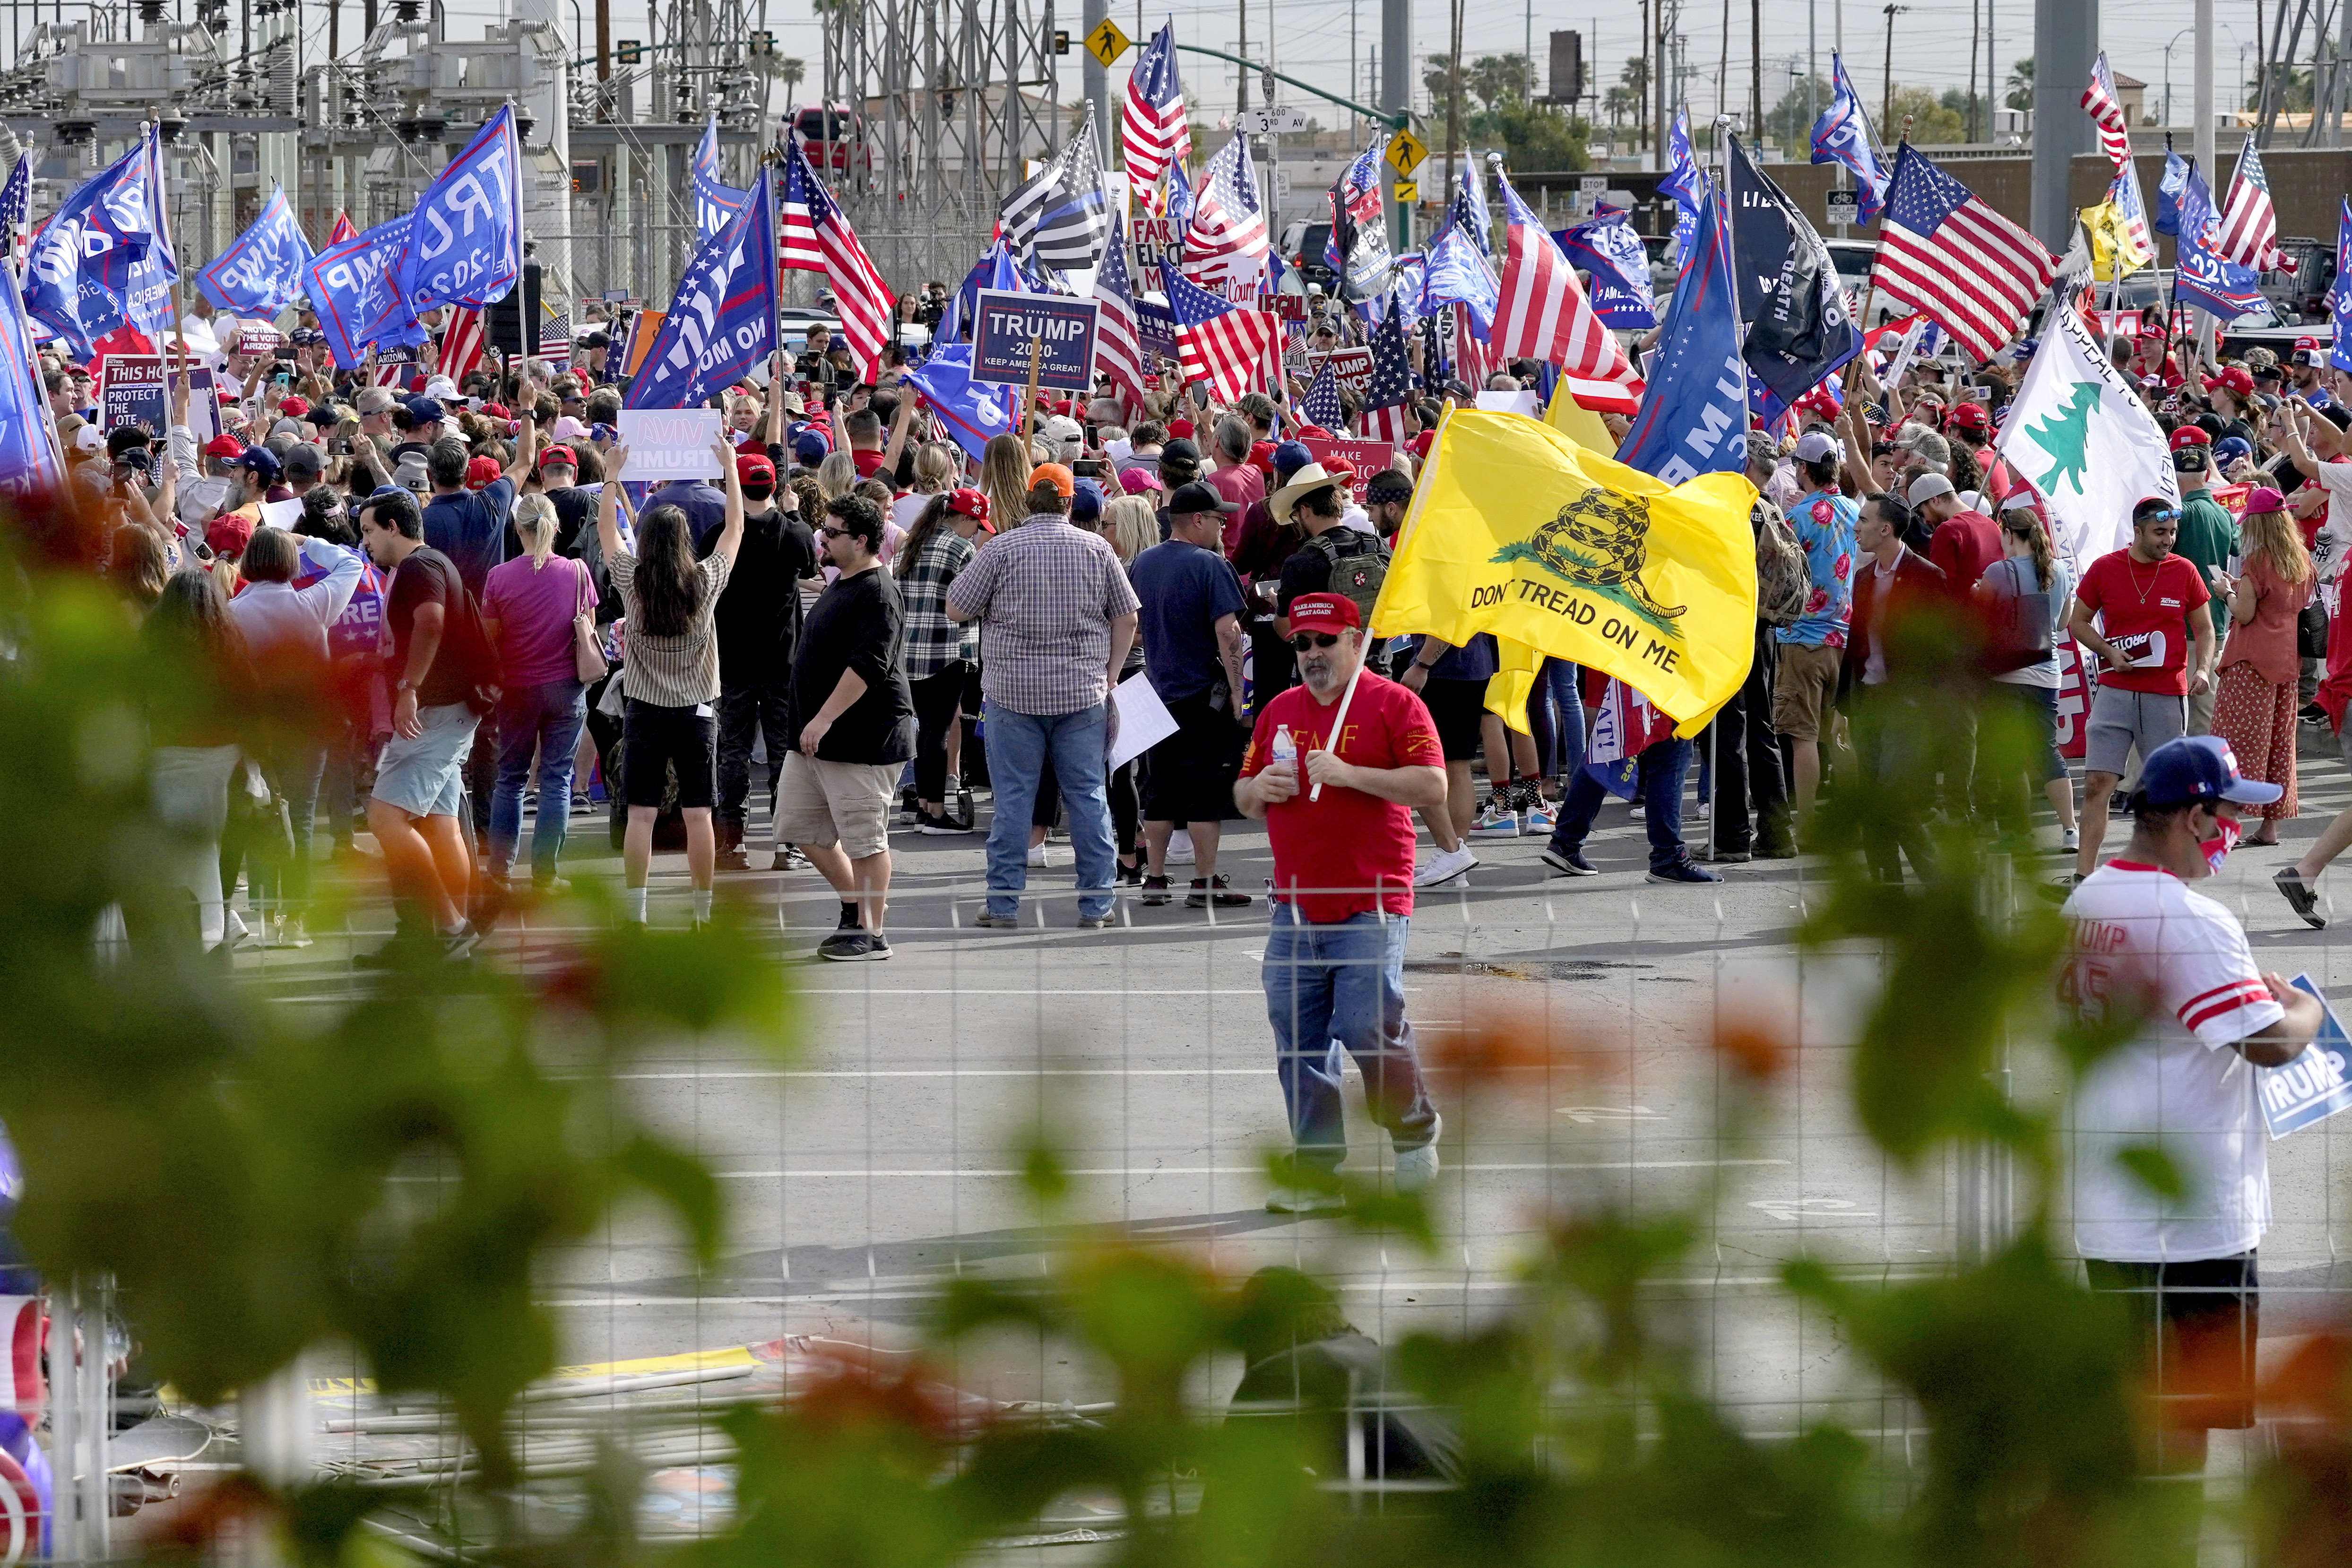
1544,315
1226,238
2249,223
344,229
1061,214
1119,353
1219,342
1943,252
2106,111
1321,405
461,345
555,331
812,224
1152,133
797,248
1392,384
17,204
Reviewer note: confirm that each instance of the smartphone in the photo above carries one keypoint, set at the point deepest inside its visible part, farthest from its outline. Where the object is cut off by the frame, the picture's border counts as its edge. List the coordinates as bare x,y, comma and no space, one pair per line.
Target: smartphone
1087,469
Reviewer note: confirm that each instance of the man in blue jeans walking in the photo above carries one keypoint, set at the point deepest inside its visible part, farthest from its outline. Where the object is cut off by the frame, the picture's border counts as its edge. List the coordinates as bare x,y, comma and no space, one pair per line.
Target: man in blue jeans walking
1659,773
1056,617
1337,800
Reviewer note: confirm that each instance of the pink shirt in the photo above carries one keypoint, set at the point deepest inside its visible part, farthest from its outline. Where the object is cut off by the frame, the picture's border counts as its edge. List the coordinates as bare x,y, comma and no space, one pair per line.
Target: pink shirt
534,609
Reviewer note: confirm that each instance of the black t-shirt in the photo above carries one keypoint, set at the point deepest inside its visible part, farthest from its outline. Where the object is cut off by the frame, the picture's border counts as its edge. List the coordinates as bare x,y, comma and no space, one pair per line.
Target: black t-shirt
759,613
429,577
855,625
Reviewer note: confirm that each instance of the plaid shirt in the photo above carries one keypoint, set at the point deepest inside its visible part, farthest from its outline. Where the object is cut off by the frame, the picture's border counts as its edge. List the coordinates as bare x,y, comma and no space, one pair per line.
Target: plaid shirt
933,641
1046,593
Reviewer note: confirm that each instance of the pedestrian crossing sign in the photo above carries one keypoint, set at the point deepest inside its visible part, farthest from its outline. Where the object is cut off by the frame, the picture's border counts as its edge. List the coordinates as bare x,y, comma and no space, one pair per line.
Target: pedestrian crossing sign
1107,42
1406,152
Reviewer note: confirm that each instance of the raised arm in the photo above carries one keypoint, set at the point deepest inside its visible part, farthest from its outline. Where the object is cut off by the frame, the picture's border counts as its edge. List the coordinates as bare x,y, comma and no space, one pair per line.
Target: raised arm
730,479
608,506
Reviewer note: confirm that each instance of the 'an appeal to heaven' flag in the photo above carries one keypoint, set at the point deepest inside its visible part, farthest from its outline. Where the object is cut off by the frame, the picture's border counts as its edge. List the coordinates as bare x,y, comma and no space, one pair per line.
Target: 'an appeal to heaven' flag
722,320
262,270
1518,531
466,243
2089,446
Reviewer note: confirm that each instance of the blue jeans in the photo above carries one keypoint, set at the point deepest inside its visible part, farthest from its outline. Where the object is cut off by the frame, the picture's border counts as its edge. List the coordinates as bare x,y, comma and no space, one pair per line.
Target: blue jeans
1556,718
1019,744
546,719
1661,770
1343,985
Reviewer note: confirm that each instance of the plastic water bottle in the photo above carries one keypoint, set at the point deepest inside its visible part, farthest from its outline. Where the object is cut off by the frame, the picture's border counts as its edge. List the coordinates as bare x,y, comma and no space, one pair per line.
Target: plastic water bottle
1285,750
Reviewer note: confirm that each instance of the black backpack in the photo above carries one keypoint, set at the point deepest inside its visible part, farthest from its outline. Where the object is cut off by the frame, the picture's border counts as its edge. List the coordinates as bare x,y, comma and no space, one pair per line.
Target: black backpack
1360,564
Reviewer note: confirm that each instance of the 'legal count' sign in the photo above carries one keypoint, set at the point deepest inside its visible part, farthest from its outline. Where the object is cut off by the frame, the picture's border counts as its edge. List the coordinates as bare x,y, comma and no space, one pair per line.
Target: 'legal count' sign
1062,329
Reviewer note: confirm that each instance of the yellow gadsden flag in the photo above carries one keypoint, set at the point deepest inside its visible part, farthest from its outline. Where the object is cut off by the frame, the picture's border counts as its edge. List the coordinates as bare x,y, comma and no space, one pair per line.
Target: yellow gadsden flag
1519,530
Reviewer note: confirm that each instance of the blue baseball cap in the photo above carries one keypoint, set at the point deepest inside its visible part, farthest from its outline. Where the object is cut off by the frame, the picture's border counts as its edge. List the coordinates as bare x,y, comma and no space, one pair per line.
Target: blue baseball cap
424,410
2229,448
809,447
1086,502
2194,770
1289,458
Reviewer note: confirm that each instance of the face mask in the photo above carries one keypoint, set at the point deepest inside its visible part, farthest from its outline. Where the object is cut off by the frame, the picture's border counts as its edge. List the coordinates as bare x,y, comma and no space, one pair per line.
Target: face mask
2216,849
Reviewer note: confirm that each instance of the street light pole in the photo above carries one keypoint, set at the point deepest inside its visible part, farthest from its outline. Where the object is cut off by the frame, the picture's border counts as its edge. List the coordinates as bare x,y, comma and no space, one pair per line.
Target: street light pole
1886,90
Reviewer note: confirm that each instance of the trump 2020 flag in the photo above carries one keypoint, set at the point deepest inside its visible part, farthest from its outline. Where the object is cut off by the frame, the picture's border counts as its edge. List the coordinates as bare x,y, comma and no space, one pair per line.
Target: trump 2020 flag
722,320
1623,727
262,270
65,290
972,410
354,286
2089,446
2339,293
1613,254
466,242
1694,419
1688,183
715,201
1843,135
28,461
1518,531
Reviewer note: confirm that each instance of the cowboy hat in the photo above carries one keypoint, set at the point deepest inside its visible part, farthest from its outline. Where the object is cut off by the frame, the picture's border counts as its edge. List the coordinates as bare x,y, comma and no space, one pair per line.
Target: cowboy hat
1311,478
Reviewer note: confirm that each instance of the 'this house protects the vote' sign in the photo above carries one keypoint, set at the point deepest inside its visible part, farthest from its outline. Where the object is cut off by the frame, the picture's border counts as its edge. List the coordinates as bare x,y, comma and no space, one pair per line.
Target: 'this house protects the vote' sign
1005,326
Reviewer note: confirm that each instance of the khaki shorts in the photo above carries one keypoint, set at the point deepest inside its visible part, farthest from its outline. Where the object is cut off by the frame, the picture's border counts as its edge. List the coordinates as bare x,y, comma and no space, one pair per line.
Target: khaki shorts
1807,686
822,803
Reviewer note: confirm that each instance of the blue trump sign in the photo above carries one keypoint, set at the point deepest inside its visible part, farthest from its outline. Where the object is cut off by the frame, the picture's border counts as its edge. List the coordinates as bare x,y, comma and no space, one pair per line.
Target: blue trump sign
1007,327
2315,1085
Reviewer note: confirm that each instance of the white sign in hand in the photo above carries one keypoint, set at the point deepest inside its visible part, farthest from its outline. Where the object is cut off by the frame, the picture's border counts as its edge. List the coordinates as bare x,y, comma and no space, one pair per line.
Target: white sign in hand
671,443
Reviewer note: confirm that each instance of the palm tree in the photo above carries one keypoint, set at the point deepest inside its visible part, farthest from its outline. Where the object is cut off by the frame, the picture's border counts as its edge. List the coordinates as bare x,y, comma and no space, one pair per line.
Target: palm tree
790,71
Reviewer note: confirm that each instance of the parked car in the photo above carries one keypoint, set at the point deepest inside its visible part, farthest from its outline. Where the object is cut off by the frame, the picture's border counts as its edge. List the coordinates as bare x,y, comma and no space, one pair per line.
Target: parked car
2300,289
1854,259
833,137
1302,246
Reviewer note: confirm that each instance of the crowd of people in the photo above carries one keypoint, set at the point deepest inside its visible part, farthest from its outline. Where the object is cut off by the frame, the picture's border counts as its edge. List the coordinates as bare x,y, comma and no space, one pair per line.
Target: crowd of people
498,624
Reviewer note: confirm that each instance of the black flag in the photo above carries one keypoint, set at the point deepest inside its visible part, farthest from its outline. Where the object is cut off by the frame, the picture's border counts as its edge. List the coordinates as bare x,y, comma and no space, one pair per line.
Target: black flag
1799,326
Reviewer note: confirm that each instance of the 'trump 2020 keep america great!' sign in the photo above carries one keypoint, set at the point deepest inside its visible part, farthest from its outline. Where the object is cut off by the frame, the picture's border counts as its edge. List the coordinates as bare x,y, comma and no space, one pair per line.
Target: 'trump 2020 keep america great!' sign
1062,328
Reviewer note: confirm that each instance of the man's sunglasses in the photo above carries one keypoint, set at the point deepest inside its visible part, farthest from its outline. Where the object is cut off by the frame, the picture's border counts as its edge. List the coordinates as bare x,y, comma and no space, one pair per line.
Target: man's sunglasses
1305,641
832,533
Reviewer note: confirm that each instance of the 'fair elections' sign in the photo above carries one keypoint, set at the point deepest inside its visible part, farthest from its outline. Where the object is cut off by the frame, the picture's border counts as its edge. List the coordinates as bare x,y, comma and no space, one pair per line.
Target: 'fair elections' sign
1009,329
133,394
2313,1087
671,443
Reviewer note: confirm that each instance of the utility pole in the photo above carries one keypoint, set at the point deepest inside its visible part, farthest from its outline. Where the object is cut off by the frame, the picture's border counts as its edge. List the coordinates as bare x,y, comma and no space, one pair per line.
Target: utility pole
1452,93
2201,87
2065,45
1096,78
1886,98
1395,54
1754,69
1975,16
1659,117
1241,48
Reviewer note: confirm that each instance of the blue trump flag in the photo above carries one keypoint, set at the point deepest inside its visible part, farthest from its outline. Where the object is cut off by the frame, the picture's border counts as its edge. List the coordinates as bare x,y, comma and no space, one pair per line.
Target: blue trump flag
1613,253
1457,274
1693,418
2339,293
263,270
714,201
2168,192
137,277
354,286
994,270
28,461
2222,289
466,243
65,290
972,411
722,320
1843,135
1688,183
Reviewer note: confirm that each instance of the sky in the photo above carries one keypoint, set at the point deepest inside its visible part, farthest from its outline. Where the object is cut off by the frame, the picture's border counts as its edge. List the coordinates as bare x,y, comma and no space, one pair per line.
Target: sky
1311,38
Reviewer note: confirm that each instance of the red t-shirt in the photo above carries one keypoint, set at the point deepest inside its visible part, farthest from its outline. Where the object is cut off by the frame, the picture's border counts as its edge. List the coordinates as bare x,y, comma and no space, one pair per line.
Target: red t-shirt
867,462
1348,839
2140,608
1964,544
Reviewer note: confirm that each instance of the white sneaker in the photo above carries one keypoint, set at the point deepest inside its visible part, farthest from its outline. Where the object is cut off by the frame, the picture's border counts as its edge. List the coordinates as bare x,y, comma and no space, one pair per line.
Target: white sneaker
1179,847
1036,855
1416,1168
1445,866
1303,1200
1496,823
2070,838
1541,818
287,931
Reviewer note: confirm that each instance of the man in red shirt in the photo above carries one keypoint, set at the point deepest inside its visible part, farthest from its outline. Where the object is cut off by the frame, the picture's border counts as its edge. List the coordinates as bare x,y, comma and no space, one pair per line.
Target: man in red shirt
1334,969
2140,595
1961,542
